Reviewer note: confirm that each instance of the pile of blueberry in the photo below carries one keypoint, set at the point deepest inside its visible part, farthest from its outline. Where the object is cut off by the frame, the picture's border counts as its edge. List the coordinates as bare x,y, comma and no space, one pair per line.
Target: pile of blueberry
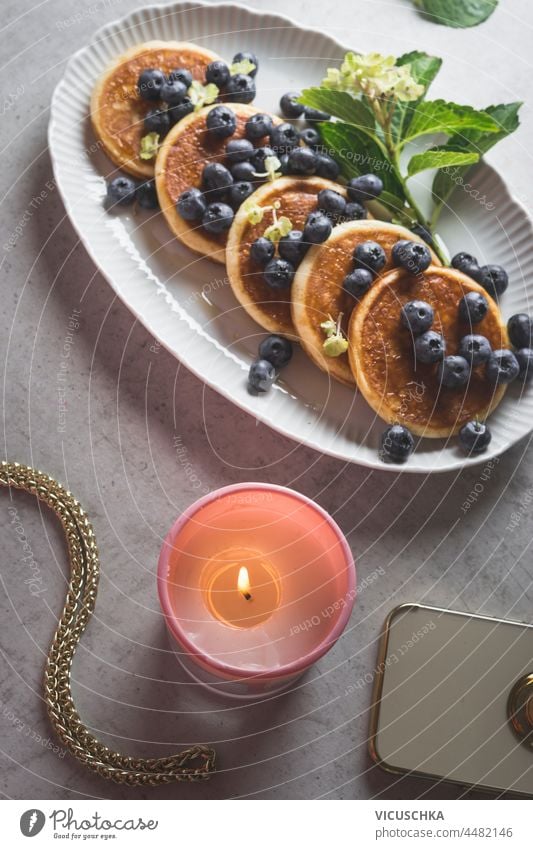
493,278
171,91
501,366
226,185
123,190
369,258
274,353
332,209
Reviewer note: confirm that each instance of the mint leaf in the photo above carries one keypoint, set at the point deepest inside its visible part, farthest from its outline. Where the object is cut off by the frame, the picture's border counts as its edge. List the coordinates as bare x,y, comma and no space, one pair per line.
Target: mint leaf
458,13
438,116
342,105
440,157
359,154
506,117
424,69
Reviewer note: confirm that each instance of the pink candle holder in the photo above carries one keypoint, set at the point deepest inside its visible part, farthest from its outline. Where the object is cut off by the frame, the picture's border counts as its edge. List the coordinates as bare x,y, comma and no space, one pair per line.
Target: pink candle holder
256,582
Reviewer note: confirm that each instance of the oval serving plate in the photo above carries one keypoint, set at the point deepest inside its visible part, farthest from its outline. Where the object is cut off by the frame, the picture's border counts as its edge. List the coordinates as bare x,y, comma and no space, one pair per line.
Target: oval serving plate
186,301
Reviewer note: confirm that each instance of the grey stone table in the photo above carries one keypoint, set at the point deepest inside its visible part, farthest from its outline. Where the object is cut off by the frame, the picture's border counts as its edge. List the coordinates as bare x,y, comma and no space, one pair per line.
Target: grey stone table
134,436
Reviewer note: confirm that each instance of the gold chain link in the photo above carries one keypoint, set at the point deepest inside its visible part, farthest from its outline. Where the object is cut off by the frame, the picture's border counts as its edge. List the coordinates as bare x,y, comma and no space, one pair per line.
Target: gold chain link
194,764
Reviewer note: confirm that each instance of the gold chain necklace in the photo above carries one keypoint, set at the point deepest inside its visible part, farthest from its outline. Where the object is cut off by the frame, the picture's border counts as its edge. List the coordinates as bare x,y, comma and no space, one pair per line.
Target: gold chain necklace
194,764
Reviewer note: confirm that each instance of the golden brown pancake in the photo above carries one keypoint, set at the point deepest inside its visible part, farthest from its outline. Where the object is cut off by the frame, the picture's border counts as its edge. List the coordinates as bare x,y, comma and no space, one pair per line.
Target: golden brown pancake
317,291
269,307
180,161
117,110
381,353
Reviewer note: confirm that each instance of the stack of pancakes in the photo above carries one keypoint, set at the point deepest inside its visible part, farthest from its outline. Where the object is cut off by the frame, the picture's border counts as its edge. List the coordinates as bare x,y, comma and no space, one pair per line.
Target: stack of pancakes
379,361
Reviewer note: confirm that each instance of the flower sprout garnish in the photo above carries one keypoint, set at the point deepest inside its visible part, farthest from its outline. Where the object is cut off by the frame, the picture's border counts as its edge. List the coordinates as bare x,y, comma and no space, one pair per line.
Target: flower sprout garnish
375,76
202,95
336,342
254,212
271,172
149,146
242,67
379,107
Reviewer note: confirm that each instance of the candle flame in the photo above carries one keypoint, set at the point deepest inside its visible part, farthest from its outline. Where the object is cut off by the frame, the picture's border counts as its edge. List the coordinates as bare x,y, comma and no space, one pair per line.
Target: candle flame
243,583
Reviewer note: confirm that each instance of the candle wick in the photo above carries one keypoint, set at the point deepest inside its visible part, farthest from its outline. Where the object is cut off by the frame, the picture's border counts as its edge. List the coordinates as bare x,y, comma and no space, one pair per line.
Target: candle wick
247,596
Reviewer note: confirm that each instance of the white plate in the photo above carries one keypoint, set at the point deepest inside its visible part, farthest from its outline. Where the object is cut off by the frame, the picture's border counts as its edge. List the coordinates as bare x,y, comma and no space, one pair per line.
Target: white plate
186,302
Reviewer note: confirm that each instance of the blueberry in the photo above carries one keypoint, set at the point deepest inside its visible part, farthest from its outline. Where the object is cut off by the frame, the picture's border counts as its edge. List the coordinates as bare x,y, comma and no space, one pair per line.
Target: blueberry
176,113
430,347
417,316
262,251
218,73
221,122
331,202
276,349
146,195
502,367
311,114
238,150
474,437
261,376
310,137
278,273
173,92
150,83
258,126
283,138
290,108
317,228
238,192
182,75
292,247
191,205
363,188
412,256
240,89
302,161
327,167
520,329
525,361
473,307
423,233
216,178
358,282
493,278
251,57
354,211
121,190
464,262
475,349
157,121
258,159
243,172
217,218
454,372
397,443
371,256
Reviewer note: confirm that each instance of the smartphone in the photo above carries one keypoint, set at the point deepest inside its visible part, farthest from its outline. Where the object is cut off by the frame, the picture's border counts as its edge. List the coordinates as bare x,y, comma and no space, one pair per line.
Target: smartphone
453,699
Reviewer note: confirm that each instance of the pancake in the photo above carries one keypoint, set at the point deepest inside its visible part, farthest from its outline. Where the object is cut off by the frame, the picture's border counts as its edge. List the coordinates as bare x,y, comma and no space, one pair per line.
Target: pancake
317,287
269,307
117,110
381,353
179,165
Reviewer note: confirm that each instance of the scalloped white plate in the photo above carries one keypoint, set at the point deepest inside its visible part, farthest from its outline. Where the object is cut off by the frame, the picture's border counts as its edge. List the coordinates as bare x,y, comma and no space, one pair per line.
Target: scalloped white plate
186,302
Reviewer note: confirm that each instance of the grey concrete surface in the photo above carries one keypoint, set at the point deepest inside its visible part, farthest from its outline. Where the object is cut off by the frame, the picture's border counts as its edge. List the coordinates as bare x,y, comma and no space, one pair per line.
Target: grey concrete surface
128,405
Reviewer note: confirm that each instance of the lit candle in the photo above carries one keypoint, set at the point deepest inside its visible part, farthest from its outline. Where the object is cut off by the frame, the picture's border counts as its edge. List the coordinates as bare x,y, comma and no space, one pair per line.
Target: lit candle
256,582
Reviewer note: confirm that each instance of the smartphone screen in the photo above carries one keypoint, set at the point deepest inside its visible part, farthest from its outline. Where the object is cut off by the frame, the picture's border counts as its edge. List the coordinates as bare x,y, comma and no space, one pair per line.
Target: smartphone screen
441,701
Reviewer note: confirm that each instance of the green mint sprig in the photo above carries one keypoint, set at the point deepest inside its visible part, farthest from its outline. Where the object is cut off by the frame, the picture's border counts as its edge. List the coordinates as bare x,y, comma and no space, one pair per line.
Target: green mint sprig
457,13
379,108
